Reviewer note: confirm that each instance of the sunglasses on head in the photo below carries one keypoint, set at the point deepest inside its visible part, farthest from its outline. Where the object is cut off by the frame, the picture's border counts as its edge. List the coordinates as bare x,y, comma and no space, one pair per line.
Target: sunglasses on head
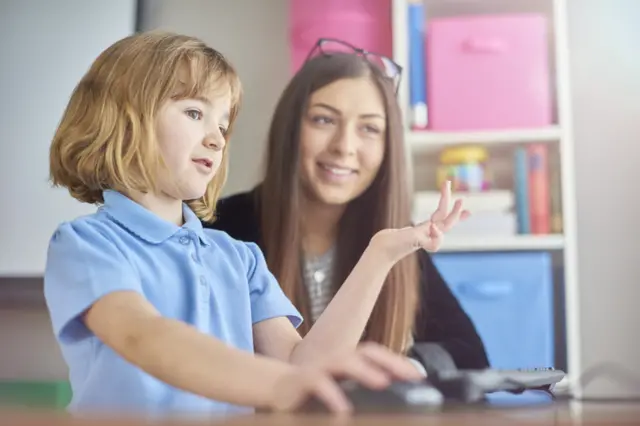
328,46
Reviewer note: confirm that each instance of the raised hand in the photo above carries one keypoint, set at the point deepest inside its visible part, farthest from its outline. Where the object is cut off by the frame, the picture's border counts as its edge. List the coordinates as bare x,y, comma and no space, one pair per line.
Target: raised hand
440,218
429,235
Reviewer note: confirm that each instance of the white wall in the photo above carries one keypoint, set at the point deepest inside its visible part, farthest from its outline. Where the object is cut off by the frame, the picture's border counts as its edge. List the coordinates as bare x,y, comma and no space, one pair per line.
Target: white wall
253,35
605,69
45,47
606,92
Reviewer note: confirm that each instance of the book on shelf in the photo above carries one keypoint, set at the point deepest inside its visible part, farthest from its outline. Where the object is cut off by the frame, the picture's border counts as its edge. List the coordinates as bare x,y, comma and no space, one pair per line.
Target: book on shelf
416,67
531,207
537,188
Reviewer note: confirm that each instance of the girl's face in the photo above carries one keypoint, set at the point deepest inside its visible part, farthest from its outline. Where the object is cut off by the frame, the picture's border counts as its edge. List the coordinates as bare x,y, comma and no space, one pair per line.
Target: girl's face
342,140
190,135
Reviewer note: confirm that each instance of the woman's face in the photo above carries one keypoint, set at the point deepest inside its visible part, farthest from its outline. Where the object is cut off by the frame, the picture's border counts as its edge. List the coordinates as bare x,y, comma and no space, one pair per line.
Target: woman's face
342,140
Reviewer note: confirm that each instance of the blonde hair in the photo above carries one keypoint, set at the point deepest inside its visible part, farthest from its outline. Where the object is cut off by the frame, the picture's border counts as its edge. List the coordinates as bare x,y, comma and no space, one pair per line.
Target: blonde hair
106,138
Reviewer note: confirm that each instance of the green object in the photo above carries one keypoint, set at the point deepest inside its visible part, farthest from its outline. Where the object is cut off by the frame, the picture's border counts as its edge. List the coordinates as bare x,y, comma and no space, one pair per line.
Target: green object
40,394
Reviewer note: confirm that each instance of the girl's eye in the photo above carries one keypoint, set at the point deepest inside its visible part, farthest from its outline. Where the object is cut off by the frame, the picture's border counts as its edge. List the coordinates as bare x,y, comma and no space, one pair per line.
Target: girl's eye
194,114
223,131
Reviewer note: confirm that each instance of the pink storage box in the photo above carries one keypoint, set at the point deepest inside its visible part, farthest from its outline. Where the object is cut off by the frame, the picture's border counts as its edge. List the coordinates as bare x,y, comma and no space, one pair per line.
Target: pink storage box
363,23
488,72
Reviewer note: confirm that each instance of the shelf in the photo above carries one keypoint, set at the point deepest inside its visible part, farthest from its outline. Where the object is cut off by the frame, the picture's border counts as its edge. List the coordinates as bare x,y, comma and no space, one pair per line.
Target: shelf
503,243
427,140
422,145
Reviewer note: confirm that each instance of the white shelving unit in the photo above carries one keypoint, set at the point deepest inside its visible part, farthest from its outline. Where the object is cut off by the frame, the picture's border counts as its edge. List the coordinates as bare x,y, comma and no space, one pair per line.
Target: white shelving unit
560,134
427,141
516,243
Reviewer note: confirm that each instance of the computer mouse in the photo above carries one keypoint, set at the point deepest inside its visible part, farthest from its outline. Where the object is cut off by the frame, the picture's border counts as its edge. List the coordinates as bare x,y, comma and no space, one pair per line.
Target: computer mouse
398,397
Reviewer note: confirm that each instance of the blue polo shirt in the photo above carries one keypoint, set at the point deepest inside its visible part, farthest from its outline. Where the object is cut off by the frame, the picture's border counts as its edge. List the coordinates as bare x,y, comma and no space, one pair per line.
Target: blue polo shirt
203,277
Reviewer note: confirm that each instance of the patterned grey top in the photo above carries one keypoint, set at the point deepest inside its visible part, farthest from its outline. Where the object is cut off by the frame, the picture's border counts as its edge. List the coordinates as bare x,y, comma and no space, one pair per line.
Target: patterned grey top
318,278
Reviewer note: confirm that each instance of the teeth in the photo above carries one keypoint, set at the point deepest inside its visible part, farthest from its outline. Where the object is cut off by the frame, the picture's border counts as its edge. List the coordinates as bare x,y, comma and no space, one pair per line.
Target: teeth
338,171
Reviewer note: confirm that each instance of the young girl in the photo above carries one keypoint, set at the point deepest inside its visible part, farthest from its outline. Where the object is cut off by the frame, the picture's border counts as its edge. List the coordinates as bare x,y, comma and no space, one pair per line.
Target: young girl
336,175
154,313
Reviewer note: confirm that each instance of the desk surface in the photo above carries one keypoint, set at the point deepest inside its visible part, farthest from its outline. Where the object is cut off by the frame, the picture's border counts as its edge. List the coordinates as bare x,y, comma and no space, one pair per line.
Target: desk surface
558,414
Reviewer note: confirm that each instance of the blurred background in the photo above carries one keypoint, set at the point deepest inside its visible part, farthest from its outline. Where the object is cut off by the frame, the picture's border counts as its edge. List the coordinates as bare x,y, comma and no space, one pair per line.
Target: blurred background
529,106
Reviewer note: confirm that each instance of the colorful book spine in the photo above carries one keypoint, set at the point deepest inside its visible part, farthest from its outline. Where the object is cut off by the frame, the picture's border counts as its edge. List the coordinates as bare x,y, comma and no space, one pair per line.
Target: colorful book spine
521,185
539,194
417,72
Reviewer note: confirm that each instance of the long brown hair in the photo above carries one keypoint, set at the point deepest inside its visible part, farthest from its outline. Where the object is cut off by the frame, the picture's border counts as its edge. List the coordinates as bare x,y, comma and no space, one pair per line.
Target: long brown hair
385,204
106,138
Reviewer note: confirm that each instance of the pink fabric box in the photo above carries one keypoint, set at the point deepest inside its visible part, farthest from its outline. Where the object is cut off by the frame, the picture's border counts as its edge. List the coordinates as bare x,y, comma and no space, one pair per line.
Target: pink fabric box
363,23
488,72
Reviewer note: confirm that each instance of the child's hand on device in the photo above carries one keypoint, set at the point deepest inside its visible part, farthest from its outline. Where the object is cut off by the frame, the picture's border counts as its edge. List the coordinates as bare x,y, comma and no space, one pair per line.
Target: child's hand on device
371,365
428,235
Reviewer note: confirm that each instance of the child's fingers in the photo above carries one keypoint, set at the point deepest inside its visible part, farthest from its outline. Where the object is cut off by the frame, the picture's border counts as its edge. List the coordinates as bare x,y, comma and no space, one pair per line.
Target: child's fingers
358,368
327,391
397,366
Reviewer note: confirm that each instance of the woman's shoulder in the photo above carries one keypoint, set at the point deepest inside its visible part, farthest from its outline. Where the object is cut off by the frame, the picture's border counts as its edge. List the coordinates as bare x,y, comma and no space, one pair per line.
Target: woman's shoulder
238,215
240,202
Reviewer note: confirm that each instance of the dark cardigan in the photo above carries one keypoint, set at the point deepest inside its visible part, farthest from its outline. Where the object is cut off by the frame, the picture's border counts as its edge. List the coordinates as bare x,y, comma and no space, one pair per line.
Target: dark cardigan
445,323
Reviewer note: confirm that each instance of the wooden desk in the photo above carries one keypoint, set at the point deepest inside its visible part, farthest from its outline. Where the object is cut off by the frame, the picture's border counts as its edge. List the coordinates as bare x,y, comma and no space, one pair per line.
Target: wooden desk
558,414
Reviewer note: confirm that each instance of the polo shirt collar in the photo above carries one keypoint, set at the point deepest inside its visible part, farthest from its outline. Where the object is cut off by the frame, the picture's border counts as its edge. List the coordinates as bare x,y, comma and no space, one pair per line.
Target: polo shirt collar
145,224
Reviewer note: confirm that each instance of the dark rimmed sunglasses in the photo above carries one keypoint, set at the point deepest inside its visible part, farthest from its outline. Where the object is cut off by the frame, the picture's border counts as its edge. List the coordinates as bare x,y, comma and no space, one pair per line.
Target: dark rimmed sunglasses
328,46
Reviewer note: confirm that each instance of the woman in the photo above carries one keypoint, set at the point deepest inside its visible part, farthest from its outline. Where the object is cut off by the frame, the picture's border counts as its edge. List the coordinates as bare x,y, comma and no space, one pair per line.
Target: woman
335,175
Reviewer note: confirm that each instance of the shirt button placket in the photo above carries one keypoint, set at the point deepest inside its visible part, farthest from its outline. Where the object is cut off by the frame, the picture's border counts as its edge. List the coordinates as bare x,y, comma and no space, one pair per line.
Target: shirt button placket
203,304
205,290
186,240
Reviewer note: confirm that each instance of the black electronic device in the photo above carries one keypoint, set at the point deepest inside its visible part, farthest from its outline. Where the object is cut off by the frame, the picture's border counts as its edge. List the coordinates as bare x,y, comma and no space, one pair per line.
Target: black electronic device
445,384
399,397
473,385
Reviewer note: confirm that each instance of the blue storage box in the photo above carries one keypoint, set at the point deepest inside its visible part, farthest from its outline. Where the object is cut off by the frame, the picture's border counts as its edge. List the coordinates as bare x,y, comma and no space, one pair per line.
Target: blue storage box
509,297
